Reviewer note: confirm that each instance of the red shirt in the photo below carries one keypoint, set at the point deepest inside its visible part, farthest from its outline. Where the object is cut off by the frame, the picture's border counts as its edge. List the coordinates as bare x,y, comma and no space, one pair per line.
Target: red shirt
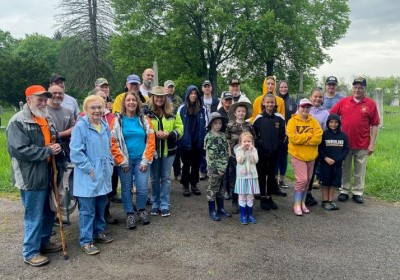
357,119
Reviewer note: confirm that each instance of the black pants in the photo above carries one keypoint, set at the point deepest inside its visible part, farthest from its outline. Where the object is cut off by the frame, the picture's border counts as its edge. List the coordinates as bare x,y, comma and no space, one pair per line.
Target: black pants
266,167
315,172
177,163
190,166
114,182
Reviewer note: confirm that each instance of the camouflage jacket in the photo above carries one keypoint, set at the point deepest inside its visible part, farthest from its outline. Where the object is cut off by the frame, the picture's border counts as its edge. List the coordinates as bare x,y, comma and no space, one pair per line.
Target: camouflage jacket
216,152
233,131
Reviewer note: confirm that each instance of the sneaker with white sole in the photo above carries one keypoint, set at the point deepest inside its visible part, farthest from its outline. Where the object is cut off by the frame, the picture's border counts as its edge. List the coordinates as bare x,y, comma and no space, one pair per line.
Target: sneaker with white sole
154,211
283,184
165,213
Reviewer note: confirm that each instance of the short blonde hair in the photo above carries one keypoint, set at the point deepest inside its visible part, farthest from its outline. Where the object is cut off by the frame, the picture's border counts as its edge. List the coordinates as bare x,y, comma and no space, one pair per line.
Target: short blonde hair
246,134
93,98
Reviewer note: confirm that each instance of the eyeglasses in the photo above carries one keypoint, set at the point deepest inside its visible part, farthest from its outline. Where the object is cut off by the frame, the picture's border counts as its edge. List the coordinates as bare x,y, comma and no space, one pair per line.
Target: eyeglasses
57,93
99,107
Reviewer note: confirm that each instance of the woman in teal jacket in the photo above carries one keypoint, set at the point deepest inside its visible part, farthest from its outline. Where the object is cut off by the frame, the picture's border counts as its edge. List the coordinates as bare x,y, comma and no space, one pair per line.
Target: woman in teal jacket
90,153
168,129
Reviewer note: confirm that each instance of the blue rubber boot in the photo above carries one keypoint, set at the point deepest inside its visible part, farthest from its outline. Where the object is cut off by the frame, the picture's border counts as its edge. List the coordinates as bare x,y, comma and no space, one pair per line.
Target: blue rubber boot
250,216
211,211
220,206
243,216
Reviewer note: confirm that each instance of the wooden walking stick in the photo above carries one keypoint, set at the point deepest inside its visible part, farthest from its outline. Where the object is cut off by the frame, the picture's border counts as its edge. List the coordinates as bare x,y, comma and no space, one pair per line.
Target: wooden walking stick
55,190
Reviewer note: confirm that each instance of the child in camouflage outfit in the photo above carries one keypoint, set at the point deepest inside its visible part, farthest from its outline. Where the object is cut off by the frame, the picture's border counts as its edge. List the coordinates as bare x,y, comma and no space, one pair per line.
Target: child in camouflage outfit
216,148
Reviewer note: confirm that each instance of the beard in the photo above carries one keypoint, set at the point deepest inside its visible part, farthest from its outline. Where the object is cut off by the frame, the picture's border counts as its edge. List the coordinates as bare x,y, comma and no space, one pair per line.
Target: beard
38,112
147,83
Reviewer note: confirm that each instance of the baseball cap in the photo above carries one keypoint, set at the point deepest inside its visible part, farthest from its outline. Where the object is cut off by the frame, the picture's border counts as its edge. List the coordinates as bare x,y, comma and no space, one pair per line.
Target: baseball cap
169,83
100,82
133,79
37,90
331,80
305,102
227,95
360,80
56,77
234,81
206,82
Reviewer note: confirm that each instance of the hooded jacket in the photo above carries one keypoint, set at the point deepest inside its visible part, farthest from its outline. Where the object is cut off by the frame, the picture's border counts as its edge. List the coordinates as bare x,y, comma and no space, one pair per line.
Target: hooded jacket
90,151
186,140
335,144
304,137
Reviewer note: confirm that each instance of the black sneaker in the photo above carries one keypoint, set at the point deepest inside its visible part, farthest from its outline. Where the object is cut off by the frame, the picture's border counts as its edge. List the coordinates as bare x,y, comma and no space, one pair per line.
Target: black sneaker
144,218
343,197
186,191
195,190
310,200
130,221
358,199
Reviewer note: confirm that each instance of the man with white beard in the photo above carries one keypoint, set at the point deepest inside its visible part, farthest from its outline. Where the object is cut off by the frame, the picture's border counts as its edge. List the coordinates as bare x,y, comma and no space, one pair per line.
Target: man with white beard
147,85
29,134
63,118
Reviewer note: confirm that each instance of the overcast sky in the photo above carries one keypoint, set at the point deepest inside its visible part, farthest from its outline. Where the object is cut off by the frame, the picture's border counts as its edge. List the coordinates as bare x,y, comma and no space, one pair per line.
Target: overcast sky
370,47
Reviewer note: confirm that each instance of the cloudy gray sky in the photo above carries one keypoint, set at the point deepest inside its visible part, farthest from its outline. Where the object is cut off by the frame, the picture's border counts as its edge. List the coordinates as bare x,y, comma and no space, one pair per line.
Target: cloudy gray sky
371,46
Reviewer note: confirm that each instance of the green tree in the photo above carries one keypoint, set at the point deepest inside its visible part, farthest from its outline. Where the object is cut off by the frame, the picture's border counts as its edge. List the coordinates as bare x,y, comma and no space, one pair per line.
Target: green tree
7,44
286,38
86,27
197,36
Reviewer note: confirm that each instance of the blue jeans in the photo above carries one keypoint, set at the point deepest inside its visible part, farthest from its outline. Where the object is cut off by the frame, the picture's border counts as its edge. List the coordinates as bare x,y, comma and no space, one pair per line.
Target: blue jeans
160,174
141,179
38,221
91,218
282,160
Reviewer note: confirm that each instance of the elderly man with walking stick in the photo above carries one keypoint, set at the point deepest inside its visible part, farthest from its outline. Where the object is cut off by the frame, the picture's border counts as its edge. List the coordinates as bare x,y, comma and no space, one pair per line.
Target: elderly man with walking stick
29,135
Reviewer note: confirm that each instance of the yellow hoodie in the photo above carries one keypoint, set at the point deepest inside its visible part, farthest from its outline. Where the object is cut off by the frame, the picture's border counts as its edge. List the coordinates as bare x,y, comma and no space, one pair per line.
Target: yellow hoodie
257,103
304,137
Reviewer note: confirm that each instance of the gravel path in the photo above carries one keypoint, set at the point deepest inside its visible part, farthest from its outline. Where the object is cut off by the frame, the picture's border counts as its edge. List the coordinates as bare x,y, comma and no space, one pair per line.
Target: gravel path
356,242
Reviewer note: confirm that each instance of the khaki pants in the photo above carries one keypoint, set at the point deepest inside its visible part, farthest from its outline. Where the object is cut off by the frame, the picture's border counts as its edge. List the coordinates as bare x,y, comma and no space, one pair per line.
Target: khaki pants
359,157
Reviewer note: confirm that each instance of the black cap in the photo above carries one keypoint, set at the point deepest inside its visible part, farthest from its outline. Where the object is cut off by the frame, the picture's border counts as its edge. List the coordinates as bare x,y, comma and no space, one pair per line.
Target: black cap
206,82
331,80
56,77
234,81
360,80
227,95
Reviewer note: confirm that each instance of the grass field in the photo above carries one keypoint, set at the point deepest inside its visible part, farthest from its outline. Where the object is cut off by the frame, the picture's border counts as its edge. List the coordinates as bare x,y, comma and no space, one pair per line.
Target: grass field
383,168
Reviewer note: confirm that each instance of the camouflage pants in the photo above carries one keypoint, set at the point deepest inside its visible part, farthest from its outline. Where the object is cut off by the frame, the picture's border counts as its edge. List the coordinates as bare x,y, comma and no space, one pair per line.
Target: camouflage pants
215,186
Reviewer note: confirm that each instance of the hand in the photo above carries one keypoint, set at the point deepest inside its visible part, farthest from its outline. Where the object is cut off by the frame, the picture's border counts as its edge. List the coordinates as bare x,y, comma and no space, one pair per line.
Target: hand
370,150
220,173
162,135
125,169
55,148
143,168
329,161
91,174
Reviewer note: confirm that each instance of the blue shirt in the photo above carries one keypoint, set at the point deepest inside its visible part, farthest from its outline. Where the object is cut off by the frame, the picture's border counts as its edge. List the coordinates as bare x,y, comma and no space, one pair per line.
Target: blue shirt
134,136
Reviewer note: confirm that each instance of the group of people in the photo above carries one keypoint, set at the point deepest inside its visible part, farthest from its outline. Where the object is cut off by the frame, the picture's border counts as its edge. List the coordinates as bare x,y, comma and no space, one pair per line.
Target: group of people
242,148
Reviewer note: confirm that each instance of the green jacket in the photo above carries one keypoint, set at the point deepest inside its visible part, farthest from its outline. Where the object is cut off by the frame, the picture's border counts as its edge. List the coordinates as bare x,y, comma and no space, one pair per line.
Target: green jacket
174,126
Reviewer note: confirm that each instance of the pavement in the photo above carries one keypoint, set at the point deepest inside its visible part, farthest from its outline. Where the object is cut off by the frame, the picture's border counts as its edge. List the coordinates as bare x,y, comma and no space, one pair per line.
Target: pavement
356,242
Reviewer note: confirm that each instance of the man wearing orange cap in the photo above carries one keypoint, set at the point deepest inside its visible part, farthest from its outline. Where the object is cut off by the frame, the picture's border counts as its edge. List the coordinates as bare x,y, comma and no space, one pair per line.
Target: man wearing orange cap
29,144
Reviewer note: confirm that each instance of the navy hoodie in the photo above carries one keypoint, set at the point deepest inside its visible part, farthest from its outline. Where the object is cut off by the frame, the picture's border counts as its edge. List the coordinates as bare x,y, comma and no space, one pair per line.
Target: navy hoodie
194,127
335,144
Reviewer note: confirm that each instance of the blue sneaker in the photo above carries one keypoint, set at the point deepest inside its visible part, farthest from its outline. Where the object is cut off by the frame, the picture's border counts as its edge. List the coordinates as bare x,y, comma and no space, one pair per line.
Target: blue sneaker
165,213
